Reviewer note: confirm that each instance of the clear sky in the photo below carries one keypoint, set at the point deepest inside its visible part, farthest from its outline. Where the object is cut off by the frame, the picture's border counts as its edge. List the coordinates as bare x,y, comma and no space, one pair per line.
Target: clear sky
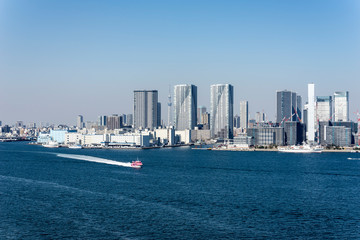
62,58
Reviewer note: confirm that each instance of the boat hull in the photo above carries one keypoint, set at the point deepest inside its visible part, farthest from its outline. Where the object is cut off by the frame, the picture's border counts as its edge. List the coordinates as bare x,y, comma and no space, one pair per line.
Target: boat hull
300,151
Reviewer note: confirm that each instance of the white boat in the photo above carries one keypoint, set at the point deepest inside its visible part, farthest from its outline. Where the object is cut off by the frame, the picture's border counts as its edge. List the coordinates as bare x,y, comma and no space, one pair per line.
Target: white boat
51,144
301,149
75,146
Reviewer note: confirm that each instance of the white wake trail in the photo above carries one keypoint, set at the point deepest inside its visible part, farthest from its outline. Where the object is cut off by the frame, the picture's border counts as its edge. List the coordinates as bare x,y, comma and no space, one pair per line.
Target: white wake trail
94,159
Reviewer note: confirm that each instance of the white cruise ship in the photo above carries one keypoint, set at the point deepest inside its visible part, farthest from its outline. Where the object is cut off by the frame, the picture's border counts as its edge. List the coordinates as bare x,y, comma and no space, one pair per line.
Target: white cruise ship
306,148
51,144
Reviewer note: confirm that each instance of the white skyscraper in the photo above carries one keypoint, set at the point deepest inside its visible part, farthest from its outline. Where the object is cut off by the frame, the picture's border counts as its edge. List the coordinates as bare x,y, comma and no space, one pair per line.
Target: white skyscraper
323,108
221,112
244,114
341,106
311,113
185,106
146,109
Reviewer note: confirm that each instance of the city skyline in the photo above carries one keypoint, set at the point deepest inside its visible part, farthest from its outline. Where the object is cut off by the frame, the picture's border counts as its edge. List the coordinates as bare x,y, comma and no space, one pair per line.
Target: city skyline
105,51
296,116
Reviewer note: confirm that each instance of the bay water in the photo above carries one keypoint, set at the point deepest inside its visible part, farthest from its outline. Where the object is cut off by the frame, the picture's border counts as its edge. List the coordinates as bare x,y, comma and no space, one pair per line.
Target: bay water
179,193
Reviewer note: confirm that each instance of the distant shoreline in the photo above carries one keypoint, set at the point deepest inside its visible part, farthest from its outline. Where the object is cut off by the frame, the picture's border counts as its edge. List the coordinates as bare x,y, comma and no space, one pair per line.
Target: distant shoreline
276,150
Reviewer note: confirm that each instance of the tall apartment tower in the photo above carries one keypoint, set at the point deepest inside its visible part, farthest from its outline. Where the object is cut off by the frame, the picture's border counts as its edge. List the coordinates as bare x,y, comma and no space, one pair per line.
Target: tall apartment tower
185,106
169,108
79,121
102,120
323,108
283,105
145,109
129,119
341,106
158,114
286,106
200,111
221,111
244,114
114,122
311,113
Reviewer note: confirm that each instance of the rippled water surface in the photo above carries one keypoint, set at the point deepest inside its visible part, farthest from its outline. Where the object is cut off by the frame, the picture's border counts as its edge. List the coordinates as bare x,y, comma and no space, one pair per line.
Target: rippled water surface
179,194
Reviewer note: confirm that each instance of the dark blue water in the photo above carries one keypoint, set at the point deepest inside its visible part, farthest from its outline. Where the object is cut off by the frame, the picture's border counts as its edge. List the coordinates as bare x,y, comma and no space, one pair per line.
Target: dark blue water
179,194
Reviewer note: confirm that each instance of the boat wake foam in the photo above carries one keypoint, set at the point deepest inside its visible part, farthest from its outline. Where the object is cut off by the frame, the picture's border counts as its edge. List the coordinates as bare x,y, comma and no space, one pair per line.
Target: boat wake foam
94,159
353,158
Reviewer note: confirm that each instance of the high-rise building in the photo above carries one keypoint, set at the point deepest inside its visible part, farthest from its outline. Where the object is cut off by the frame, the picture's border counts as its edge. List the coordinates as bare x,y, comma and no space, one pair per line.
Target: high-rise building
221,114
244,114
341,106
294,132
311,113
145,109
129,119
80,122
200,111
30,125
205,120
123,118
185,105
114,122
293,106
237,121
305,113
283,105
169,108
19,124
299,108
158,114
286,106
102,121
323,108
259,117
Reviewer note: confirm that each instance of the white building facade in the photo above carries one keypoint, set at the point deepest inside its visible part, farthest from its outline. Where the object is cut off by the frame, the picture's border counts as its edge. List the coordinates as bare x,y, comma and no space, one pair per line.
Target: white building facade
185,106
221,111
341,106
244,114
311,113
323,108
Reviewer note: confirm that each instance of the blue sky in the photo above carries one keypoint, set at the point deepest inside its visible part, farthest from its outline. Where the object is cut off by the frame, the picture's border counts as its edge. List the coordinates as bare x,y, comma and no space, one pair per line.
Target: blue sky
59,59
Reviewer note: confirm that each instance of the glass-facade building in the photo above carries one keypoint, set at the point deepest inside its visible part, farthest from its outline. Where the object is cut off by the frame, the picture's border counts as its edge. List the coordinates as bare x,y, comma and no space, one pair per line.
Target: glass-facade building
299,107
285,106
200,111
323,108
244,114
221,111
185,106
341,106
145,109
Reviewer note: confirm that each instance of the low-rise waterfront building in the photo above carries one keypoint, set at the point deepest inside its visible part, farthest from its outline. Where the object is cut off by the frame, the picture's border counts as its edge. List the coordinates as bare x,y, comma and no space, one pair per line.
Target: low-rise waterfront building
265,136
200,135
58,135
183,136
165,136
130,139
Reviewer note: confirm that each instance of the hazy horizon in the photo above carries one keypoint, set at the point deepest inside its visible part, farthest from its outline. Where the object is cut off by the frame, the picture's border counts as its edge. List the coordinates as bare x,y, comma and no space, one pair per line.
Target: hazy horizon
60,59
